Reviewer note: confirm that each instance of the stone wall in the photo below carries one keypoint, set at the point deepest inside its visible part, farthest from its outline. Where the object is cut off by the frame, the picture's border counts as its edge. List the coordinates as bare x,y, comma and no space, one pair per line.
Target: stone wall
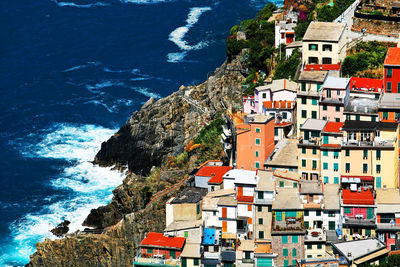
377,26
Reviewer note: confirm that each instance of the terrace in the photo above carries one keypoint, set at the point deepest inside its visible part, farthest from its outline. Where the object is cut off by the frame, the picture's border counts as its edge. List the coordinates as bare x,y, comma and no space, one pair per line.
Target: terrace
290,224
158,260
316,235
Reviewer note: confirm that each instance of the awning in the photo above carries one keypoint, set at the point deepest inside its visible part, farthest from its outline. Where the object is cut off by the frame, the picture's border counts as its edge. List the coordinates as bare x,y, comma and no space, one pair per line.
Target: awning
356,179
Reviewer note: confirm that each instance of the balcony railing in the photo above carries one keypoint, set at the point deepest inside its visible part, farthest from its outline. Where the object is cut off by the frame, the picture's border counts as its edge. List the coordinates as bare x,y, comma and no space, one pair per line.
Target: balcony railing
248,260
375,143
360,222
157,260
263,201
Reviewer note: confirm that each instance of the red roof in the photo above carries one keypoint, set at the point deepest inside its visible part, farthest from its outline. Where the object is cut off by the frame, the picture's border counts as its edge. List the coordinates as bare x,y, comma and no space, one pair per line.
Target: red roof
331,145
245,198
333,127
159,240
393,56
310,67
369,84
283,104
215,172
358,198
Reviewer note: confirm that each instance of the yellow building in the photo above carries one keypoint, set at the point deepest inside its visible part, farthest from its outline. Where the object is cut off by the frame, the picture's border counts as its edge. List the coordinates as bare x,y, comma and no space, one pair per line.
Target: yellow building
330,152
309,154
308,96
370,149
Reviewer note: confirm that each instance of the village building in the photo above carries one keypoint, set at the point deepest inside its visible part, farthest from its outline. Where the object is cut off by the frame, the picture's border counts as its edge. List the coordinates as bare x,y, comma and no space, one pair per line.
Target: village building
210,177
245,253
389,107
309,157
263,255
284,113
209,207
191,230
325,261
227,212
191,255
286,179
284,157
287,226
331,152
324,43
391,73
366,87
370,152
331,219
361,109
312,201
254,141
284,32
314,244
335,94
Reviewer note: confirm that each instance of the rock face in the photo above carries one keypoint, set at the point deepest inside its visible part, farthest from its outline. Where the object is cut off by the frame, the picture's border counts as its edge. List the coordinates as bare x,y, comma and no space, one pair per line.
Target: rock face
61,229
162,128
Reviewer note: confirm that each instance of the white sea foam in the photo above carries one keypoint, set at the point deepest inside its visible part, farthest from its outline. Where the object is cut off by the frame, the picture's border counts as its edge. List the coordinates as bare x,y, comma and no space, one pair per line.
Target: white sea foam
96,87
89,186
176,57
143,1
146,92
177,35
75,68
72,4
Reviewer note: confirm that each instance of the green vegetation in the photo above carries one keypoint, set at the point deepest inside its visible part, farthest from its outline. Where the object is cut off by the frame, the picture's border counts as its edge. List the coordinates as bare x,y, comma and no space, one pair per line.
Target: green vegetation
393,260
209,138
286,68
365,56
329,13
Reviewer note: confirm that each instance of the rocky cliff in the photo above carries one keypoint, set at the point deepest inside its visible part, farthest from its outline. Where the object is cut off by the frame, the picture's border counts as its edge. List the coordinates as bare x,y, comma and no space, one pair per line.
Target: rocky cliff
160,129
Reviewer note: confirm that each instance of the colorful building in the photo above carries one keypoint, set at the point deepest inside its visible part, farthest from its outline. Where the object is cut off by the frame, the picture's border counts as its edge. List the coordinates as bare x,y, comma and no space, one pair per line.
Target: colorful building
284,114
389,107
361,109
335,94
324,43
308,96
159,250
366,87
330,152
210,177
309,157
314,244
254,141
331,219
311,199
370,149
391,73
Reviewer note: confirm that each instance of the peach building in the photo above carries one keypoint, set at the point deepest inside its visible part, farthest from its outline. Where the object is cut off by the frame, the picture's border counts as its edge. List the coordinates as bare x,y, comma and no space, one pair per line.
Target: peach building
254,141
334,97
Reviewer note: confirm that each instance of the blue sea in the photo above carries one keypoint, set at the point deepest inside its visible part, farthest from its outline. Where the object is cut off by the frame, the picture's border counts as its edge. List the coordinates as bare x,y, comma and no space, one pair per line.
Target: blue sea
71,73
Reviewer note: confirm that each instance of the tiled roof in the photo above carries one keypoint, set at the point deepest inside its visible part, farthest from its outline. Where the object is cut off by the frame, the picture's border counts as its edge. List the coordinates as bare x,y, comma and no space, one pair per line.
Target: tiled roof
311,67
283,104
333,127
358,198
367,84
393,56
159,240
215,172
324,31
245,198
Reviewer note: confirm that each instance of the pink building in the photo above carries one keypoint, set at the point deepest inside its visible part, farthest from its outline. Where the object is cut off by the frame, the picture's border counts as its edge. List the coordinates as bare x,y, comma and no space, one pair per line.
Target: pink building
334,96
278,90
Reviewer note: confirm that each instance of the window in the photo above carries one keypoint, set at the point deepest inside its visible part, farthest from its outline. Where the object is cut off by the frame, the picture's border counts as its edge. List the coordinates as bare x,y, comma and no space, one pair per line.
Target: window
258,130
272,114
314,151
365,154
314,164
370,213
303,88
303,163
347,210
385,115
172,254
257,154
284,115
335,154
347,152
306,213
312,60
279,215
326,60
276,131
373,119
314,102
337,119
212,188
313,114
378,155
331,225
335,180
338,94
325,165
325,153
284,240
378,168
304,101
150,251
378,181
357,117
186,234
295,239
326,47
313,47
261,234
306,225
258,141
198,208
184,263
224,212
259,208
281,183
269,208
264,95
389,87
303,150
285,262
196,262
260,195
365,167
294,184
337,108
319,246
260,221
257,165
324,107
347,167
309,246
326,179
247,254
328,93
294,252
318,86
389,73
367,232
294,262
214,213
304,113
335,167
318,213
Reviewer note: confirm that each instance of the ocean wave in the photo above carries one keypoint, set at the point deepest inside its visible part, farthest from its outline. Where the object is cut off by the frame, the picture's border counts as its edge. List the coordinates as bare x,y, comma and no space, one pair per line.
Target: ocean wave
177,35
176,57
72,4
96,87
143,1
146,92
89,186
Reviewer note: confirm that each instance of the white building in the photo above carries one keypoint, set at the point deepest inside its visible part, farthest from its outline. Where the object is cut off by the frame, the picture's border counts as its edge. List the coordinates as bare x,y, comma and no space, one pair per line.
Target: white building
331,213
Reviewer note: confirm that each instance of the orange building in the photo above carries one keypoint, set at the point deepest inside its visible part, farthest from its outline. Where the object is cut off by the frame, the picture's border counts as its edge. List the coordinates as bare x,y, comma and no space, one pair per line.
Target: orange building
254,141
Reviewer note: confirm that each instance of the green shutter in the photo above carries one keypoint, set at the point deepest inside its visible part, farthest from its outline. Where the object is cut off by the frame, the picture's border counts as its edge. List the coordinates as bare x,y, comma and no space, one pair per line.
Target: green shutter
186,234
303,86
318,86
335,180
184,263
326,139
335,166
378,154
291,214
284,240
294,252
313,114
314,102
263,262
295,240
172,254
314,164
260,195
326,179
294,184
285,252
260,221
150,251
278,215
303,163
196,262
370,213
325,153
285,262
261,234
378,182
306,225
347,210
325,164
331,225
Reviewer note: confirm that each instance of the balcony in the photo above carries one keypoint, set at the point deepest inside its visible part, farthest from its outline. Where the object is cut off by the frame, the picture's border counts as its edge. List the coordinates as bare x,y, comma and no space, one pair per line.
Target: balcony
388,226
288,225
211,255
377,142
158,260
311,141
315,236
264,201
359,222
329,100
248,260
